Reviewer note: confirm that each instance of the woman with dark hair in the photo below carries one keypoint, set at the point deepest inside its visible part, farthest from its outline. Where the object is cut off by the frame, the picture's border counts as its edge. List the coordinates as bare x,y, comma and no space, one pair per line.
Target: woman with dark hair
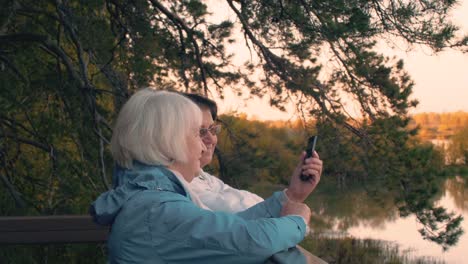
217,195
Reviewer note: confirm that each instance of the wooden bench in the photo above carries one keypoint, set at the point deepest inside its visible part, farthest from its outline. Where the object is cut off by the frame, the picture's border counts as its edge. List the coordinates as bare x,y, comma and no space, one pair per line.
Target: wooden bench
64,229
51,230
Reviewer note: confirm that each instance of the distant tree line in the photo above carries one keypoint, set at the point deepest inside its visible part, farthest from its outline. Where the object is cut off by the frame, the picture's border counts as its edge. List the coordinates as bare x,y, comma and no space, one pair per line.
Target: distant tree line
450,132
440,125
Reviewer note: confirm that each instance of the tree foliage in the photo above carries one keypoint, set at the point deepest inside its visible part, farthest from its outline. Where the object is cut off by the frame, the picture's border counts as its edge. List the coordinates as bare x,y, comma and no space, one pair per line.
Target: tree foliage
66,67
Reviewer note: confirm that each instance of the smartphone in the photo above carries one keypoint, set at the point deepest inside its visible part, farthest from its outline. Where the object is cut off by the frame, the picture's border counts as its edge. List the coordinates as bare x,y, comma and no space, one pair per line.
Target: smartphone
309,152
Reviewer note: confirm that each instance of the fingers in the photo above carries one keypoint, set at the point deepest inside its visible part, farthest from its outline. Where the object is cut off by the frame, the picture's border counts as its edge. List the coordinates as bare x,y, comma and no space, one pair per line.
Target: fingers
312,177
294,208
313,163
308,169
312,172
316,155
302,157
301,162
312,167
313,160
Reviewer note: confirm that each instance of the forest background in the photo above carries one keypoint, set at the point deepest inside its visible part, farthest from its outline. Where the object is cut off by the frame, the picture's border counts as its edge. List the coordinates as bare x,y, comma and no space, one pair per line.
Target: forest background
66,68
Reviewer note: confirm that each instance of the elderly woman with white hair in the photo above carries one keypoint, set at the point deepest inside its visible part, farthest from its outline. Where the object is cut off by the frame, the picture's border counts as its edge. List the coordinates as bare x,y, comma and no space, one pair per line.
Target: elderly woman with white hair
155,217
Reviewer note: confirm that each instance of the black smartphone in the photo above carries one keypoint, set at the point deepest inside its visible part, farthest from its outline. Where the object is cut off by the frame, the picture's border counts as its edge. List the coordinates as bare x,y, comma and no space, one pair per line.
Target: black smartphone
309,152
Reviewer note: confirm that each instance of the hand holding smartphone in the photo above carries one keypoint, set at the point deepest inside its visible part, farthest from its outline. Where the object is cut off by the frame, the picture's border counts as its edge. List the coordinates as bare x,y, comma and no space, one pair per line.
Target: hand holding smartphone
309,152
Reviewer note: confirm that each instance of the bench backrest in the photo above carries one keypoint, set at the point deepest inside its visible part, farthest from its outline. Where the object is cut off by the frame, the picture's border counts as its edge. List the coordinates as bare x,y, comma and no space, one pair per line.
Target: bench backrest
51,229
64,229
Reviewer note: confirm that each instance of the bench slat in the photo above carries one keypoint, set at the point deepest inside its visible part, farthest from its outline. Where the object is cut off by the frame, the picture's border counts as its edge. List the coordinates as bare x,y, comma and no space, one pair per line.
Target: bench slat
51,229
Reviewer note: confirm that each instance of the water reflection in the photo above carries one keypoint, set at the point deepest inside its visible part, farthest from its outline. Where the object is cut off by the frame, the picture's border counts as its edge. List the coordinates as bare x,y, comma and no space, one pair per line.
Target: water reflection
347,208
457,189
353,212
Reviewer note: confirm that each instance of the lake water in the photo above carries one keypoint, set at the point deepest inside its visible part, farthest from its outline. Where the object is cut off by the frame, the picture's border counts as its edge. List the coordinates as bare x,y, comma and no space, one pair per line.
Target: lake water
353,213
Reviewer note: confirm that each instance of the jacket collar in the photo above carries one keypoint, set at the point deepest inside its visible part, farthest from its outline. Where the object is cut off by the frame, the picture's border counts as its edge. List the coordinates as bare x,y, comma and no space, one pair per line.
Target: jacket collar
150,177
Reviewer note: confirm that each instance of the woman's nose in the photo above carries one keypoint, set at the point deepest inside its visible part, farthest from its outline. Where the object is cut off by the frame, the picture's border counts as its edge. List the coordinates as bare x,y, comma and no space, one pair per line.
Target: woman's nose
208,138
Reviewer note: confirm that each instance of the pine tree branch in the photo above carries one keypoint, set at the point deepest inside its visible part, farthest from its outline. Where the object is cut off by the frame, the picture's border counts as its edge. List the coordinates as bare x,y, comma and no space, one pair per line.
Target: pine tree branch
179,21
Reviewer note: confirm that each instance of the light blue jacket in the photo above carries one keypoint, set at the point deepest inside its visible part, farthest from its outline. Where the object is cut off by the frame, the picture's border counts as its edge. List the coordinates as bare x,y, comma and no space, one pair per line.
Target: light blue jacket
154,221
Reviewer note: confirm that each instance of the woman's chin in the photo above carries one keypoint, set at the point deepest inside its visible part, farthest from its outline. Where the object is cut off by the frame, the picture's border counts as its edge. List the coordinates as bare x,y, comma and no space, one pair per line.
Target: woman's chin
206,159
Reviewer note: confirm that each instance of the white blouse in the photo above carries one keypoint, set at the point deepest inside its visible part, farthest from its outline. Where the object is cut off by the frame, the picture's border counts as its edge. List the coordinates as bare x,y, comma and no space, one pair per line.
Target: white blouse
218,196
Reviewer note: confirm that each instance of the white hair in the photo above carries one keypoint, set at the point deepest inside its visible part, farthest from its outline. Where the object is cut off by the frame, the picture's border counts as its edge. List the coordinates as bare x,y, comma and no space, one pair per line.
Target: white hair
152,128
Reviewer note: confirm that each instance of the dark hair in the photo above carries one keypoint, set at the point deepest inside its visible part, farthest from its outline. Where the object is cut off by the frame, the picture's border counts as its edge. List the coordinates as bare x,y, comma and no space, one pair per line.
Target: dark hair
204,102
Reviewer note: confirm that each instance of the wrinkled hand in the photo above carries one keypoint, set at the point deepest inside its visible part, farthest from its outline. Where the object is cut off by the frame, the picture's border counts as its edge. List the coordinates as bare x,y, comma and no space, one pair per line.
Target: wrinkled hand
299,190
300,209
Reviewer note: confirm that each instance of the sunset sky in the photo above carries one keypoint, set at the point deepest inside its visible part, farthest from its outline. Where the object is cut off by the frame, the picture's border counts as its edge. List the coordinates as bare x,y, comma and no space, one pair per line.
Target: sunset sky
441,80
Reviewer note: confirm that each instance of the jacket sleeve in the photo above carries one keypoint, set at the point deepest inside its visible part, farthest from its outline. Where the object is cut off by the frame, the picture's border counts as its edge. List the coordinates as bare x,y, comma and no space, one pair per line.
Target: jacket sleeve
219,233
271,207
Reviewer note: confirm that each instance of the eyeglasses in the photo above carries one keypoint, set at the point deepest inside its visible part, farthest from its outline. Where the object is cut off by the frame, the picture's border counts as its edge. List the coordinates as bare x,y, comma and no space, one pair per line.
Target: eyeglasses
213,129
